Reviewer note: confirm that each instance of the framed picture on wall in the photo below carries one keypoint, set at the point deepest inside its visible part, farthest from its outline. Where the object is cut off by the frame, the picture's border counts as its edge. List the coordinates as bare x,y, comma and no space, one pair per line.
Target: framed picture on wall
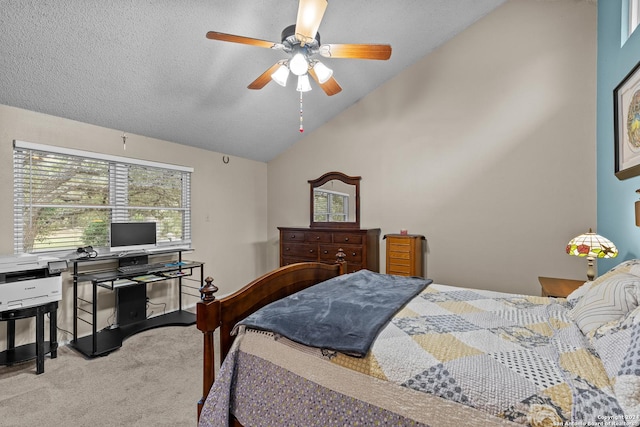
626,113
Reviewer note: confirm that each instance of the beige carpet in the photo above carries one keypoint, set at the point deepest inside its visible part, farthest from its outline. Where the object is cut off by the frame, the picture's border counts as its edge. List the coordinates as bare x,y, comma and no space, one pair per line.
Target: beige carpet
153,380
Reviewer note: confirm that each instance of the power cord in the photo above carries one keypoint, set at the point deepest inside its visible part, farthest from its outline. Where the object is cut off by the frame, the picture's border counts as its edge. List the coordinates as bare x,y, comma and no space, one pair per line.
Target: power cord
149,303
58,327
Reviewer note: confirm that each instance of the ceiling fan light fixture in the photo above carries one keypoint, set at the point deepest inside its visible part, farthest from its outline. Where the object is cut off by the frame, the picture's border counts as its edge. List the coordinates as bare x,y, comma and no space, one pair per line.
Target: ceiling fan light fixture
303,83
281,75
323,72
298,64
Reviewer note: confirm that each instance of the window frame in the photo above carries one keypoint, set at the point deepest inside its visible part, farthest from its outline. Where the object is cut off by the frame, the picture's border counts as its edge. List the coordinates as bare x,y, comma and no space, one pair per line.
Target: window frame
118,203
634,15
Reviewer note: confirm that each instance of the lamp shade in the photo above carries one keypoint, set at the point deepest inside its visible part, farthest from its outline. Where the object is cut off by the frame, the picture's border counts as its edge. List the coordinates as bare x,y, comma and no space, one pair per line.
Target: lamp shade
298,64
323,72
281,75
303,83
592,245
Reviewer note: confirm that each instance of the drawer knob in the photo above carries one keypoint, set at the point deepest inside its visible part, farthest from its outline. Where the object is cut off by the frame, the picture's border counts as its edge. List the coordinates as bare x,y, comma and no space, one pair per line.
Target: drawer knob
287,249
293,236
317,237
346,239
353,254
326,251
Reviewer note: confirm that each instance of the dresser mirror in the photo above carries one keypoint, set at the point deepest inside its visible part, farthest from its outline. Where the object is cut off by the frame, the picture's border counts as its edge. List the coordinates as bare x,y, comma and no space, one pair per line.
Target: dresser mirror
335,201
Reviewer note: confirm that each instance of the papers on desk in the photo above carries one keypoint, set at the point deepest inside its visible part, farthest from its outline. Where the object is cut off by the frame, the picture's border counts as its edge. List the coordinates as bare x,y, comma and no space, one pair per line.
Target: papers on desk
148,278
123,282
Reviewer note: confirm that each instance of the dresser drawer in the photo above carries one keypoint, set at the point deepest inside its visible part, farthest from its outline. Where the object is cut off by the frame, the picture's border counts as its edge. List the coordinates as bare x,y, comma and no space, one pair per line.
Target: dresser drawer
396,246
328,252
400,270
306,251
351,238
319,237
397,255
400,261
400,266
293,236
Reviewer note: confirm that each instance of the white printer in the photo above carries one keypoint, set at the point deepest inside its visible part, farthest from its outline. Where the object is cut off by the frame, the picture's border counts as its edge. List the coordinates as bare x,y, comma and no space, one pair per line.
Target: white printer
30,280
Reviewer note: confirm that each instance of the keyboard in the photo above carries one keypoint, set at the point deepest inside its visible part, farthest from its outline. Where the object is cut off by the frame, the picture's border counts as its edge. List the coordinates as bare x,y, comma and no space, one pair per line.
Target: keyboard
140,268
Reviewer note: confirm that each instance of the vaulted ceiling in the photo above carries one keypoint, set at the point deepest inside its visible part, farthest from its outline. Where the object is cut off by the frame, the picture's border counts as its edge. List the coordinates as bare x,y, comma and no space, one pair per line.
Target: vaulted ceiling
146,67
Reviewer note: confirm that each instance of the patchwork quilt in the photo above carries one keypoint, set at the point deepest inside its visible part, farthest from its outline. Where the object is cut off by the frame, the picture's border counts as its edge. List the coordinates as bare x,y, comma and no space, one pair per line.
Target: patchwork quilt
451,356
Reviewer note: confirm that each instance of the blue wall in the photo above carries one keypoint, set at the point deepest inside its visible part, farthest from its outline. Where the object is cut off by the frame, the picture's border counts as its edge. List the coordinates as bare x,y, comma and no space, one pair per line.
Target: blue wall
616,57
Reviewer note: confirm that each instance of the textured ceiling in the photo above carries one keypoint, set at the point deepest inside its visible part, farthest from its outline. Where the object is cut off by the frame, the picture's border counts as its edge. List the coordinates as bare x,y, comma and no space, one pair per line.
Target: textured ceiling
146,67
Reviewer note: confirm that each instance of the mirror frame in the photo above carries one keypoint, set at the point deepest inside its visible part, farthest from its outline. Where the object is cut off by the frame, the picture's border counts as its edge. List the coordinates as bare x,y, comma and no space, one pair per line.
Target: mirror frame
329,176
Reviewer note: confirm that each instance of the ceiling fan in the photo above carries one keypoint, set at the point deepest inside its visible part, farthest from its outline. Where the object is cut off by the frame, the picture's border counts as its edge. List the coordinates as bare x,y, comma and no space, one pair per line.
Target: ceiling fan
302,43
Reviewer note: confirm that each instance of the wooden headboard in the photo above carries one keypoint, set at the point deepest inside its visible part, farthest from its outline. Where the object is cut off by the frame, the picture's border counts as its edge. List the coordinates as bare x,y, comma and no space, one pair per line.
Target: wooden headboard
224,313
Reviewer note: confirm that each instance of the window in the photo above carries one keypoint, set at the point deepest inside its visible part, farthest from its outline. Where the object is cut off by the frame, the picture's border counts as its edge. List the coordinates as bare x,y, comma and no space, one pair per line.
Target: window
65,199
330,206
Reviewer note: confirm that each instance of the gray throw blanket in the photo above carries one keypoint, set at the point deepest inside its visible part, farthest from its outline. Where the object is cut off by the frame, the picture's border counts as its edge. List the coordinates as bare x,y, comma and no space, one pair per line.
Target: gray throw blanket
344,313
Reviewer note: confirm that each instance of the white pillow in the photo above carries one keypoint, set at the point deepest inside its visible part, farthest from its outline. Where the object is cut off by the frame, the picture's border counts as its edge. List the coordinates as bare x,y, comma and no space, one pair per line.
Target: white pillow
578,293
606,301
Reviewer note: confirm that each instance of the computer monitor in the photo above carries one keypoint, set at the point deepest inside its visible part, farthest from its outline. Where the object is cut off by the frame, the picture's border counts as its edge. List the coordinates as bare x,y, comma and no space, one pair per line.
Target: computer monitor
132,236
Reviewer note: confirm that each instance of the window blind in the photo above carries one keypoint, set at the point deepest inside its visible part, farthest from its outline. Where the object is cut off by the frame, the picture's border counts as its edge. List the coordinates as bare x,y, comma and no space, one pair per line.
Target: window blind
65,199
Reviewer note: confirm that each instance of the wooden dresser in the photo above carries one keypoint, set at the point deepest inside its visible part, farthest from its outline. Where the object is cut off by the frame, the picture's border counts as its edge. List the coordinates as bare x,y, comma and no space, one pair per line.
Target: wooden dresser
404,254
362,246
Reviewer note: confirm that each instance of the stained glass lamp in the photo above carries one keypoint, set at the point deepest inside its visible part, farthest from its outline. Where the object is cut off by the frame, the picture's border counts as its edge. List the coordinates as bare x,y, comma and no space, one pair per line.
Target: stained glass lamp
591,246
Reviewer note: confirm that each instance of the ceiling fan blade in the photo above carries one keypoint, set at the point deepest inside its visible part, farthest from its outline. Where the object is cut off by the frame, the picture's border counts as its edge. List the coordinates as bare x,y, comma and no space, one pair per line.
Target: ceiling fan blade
310,13
264,78
330,87
357,51
214,35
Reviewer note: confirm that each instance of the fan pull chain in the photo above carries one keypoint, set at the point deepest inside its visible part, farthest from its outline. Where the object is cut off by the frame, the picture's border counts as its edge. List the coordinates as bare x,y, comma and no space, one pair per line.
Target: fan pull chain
301,126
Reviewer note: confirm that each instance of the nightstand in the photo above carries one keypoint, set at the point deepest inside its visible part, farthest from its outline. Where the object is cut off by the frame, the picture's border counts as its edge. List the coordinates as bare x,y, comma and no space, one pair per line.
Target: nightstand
558,288
404,254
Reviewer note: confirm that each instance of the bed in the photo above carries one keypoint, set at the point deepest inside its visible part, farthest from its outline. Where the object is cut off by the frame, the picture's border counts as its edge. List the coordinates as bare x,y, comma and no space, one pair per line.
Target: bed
448,356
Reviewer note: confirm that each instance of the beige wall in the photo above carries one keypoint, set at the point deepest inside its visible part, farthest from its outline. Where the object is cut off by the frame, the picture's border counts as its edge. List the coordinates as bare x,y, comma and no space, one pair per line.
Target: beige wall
229,204
486,146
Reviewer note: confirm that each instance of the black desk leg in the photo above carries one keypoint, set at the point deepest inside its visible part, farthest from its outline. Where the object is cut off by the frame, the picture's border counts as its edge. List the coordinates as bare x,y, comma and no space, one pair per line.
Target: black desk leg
11,336
40,340
53,332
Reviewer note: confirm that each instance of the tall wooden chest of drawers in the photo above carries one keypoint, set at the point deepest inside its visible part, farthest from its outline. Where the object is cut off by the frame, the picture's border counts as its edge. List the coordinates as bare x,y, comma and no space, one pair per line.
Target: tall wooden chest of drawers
362,246
404,254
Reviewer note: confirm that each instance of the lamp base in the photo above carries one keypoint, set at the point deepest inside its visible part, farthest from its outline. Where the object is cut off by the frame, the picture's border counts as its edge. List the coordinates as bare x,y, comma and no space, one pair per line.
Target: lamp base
591,271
